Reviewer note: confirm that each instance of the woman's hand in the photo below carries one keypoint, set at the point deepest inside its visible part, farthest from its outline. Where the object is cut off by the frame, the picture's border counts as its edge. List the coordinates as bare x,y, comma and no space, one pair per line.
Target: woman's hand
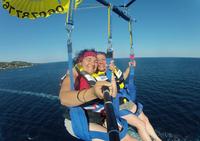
98,88
112,66
133,63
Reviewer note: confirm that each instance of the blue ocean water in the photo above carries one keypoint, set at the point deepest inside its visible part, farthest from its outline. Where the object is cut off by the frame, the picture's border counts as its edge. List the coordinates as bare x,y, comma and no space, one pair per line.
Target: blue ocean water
169,89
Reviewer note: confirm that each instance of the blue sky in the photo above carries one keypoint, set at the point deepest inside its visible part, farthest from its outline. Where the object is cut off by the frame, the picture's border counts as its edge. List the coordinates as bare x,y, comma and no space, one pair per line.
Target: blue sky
164,28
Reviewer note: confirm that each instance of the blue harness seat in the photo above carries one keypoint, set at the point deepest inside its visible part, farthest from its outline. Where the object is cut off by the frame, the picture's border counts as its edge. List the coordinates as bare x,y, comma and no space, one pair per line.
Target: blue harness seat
123,95
80,126
127,95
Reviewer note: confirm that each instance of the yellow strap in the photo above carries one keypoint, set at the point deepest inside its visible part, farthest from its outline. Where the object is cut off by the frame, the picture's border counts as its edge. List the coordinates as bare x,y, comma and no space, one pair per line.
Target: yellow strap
79,67
109,22
101,73
95,75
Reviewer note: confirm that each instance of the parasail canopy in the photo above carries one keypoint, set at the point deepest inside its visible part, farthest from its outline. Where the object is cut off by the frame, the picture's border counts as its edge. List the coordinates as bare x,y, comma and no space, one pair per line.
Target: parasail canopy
33,9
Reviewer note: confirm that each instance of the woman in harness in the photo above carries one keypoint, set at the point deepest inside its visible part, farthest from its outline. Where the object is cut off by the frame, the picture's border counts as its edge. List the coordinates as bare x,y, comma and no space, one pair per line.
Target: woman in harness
86,98
135,117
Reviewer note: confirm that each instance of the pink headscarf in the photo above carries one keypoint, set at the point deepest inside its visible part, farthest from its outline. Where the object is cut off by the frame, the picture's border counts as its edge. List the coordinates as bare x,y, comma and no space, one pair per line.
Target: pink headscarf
86,54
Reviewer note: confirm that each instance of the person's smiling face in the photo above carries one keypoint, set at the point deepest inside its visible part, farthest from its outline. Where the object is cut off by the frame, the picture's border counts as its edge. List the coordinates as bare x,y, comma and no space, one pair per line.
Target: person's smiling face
89,64
101,60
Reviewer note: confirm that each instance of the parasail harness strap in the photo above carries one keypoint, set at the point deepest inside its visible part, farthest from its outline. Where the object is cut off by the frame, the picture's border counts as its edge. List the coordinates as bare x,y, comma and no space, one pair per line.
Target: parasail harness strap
77,114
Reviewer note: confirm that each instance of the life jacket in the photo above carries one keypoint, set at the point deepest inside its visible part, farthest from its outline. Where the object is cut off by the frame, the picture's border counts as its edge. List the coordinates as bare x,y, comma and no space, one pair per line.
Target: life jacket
81,83
78,117
88,78
119,78
86,81
101,76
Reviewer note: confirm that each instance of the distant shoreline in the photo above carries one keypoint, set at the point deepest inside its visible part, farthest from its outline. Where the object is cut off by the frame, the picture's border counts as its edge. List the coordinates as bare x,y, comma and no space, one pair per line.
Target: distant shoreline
23,64
15,65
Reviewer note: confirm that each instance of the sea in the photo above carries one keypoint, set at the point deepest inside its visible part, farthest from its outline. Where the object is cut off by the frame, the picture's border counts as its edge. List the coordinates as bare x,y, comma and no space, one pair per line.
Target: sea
168,88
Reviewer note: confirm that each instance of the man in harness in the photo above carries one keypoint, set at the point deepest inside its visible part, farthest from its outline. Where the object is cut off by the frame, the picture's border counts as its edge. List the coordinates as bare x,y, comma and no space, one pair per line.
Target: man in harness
126,108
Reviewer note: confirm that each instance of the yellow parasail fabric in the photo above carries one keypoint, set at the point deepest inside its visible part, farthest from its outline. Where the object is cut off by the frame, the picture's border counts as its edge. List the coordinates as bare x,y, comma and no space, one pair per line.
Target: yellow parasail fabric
33,9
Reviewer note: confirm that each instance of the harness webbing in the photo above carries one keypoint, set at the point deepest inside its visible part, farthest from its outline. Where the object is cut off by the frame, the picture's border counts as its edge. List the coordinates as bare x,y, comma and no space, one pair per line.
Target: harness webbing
109,23
132,57
69,27
131,34
110,114
131,85
109,55
77,114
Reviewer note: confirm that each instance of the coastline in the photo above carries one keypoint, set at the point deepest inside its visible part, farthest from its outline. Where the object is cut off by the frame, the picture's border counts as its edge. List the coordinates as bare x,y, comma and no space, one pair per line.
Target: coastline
15,65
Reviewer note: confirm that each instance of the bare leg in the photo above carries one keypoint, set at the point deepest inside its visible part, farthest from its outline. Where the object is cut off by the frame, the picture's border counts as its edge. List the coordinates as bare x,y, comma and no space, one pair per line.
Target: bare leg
149,127
96,127
140,125
128,138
